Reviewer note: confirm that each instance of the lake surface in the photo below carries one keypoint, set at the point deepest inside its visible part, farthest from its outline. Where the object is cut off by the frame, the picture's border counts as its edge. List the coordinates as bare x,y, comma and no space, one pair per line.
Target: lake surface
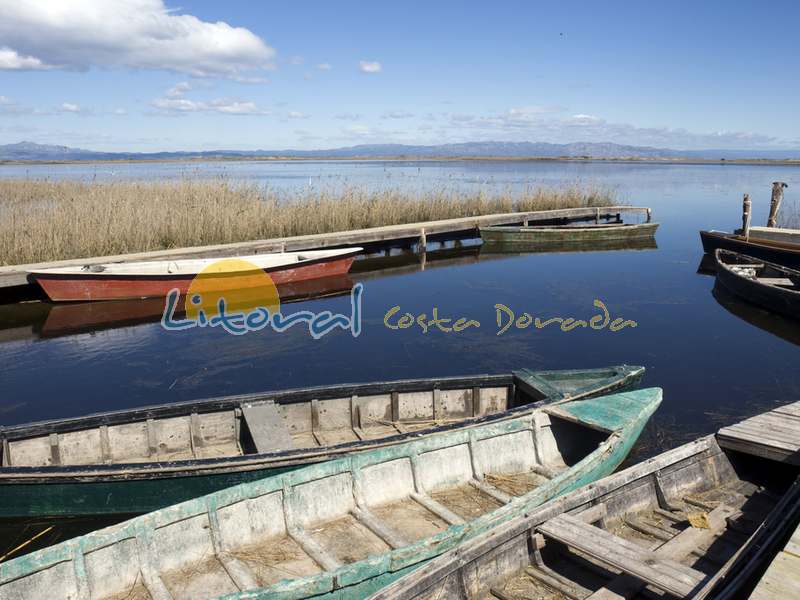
717,359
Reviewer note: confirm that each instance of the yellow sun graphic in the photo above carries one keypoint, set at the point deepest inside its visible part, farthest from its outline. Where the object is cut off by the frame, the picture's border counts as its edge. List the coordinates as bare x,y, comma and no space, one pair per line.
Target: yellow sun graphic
243,285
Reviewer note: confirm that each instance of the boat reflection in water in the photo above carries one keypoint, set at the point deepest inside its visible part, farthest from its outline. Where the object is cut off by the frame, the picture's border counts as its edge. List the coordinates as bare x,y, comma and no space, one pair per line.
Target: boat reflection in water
47,320
782,327
646,243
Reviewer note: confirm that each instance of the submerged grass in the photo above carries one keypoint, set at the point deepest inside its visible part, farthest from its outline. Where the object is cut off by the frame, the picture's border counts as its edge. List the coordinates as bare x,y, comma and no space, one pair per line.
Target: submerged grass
42,220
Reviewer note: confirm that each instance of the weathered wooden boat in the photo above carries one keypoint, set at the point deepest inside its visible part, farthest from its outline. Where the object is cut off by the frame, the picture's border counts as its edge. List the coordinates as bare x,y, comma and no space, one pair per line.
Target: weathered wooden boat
347,527
559,234
67,318
154,279
694,522
784,253
769,285
137,460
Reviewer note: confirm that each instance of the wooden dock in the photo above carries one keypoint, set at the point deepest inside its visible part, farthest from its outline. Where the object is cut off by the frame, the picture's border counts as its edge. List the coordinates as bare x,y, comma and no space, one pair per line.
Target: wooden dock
782,578
13,279
774,435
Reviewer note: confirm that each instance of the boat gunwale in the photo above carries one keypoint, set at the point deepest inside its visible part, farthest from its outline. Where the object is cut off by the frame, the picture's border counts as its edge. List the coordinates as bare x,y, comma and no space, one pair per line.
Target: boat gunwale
569,228
622,375
348,574
788,247
75,272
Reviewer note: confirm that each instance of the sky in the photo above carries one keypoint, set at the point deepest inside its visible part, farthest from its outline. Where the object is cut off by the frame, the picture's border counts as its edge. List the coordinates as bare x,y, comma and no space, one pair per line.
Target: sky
150,75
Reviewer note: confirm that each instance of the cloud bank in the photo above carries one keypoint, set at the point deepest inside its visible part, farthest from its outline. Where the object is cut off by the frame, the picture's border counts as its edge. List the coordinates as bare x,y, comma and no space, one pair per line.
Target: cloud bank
138,34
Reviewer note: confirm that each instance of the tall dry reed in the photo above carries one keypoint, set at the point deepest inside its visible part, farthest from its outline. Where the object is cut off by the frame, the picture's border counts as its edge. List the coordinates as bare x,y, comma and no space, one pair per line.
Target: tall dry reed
43,220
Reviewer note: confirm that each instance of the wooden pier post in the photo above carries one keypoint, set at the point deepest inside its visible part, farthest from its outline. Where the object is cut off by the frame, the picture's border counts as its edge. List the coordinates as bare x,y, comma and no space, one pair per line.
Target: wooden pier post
775,204
746,217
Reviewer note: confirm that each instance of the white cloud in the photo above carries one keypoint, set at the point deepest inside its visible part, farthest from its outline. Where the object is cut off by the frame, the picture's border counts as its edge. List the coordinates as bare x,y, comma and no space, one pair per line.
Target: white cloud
174,102
11,60
347,116
5,100
587,118
324,66
178,90
524,111
296,114
397,114
370,66
120,112
296,60
522,126
139,34
70,107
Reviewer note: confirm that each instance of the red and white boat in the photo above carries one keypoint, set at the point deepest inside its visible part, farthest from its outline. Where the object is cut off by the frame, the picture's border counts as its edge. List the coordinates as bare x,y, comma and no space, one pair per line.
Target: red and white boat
153,279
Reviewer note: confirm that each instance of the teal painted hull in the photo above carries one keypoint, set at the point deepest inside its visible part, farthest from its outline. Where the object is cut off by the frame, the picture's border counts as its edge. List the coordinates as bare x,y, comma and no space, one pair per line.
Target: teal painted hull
119,497
598,469
623,415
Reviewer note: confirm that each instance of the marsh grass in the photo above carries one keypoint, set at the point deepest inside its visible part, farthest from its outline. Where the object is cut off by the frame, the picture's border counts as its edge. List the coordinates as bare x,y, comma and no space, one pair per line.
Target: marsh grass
42,220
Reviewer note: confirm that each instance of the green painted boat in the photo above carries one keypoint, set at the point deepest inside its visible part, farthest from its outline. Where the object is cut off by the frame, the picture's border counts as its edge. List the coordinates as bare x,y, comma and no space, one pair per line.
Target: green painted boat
135,461
347,527
544,235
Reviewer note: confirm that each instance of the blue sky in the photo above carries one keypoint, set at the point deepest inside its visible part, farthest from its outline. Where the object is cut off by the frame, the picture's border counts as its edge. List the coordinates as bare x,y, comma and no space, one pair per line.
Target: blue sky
148,75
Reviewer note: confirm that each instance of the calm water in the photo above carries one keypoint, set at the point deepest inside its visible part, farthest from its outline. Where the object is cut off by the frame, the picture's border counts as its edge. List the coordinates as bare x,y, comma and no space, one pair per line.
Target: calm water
716,358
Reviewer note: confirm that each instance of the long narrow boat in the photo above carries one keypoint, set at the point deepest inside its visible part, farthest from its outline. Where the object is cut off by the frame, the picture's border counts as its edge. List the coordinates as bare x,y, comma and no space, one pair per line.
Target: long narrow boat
153,279
347,527
559,234
781,252
137,460
771,286
67,318
694,522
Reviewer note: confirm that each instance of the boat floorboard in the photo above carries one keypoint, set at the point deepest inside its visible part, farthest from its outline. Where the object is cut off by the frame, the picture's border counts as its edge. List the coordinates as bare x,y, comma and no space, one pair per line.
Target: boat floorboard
466,501
410,519
348,540
275,559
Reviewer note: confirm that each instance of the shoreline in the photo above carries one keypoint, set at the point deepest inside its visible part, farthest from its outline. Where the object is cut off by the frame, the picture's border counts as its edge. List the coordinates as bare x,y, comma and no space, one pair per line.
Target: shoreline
279,159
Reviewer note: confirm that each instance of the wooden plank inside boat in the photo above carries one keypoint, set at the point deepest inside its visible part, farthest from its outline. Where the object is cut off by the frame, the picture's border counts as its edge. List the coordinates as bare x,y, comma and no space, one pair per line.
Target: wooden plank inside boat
629,557
267,427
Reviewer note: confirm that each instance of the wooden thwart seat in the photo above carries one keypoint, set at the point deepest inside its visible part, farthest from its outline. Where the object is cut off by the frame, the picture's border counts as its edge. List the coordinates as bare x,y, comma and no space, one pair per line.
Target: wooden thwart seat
267,427
665,574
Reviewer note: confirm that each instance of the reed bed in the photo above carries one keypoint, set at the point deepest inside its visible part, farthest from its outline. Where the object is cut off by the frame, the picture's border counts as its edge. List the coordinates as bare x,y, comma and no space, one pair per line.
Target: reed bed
42,220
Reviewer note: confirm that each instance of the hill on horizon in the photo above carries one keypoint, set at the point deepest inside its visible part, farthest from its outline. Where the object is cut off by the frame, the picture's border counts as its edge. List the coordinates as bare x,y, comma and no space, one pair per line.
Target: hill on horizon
31,151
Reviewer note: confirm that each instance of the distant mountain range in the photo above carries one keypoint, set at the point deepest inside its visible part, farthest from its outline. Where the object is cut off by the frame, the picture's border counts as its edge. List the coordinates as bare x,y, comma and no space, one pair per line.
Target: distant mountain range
31,151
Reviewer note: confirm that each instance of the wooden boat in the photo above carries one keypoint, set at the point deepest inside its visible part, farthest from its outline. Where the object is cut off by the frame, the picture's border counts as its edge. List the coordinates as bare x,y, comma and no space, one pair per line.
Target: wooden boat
766,284
559,234
776,234
67,318
783,253
347,527
154,279
694,522
142,459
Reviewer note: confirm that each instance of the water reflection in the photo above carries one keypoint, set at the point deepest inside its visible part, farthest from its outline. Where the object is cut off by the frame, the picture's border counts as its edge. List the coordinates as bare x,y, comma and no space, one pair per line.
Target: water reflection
568,246
782,327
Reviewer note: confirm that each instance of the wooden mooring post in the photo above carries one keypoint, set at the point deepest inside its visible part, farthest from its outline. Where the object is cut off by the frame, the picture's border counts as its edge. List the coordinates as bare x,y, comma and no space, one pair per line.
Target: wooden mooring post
746,204
775,204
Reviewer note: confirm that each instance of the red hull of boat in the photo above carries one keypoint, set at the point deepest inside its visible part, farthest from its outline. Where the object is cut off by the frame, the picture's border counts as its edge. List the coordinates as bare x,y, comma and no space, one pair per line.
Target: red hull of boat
80,288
